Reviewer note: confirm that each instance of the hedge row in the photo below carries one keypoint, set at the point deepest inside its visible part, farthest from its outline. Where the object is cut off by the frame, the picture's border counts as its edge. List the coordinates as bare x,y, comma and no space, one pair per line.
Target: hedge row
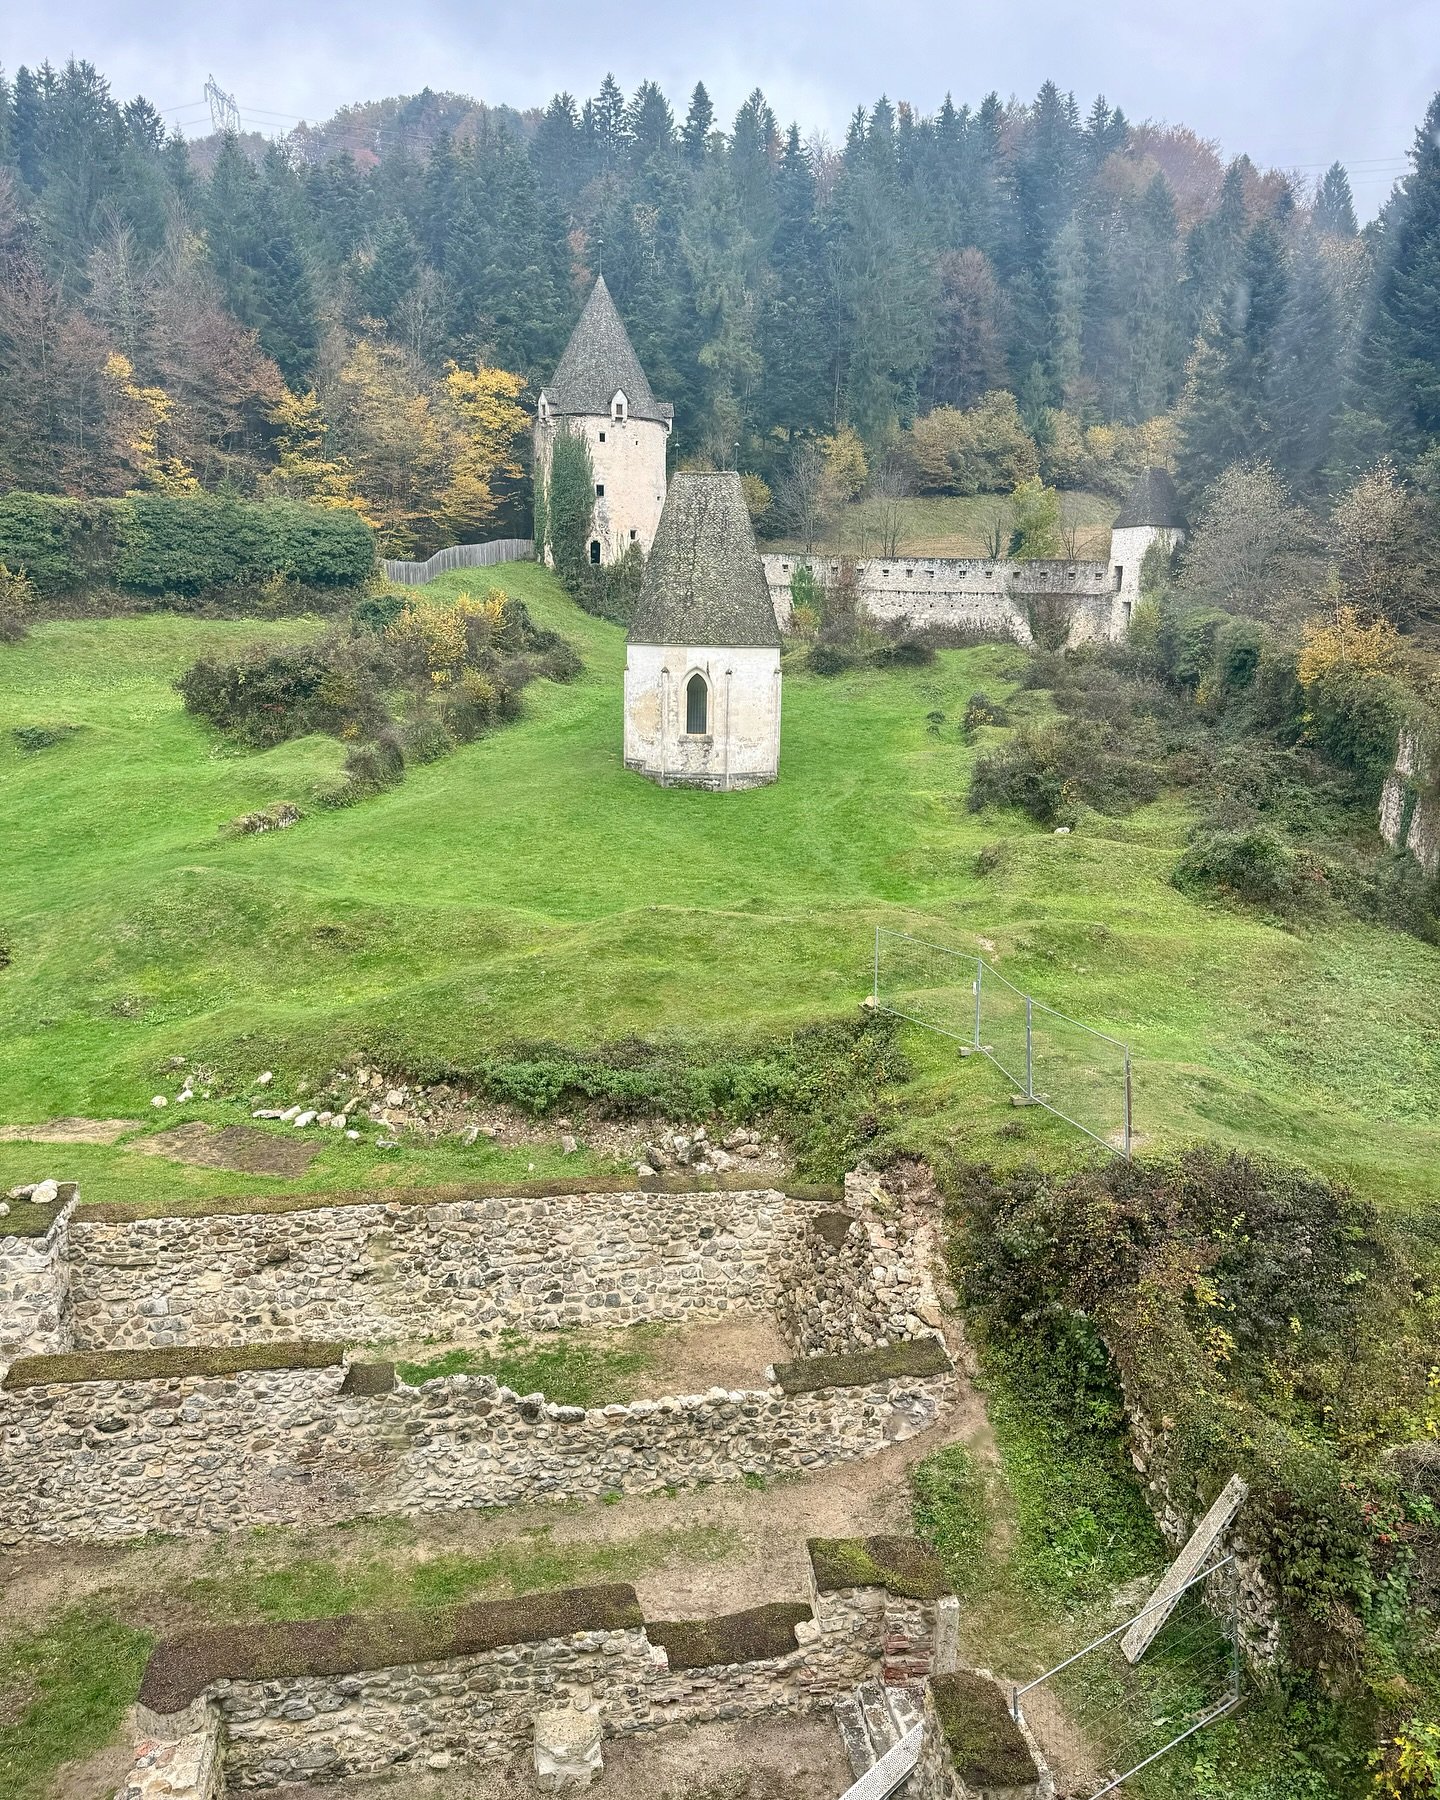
761,1634
180,544
126,1212
902,1565
182,1667
915,1357
168,1365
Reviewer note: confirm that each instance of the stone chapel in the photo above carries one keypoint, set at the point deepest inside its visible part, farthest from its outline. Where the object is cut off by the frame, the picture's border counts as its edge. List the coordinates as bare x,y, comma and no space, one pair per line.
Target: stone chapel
702,669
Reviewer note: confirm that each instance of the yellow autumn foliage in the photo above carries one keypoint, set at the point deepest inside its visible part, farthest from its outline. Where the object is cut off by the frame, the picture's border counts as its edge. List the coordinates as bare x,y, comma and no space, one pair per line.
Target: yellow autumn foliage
1346,641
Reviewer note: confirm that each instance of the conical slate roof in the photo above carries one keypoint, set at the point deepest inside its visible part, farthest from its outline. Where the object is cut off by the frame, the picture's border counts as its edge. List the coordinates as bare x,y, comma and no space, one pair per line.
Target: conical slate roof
704,583
599,362
1153,501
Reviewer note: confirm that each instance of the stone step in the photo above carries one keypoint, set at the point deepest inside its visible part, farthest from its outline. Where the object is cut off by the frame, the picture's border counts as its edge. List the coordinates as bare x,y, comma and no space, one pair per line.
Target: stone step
892,1772
879,1720
906,1706
853,1734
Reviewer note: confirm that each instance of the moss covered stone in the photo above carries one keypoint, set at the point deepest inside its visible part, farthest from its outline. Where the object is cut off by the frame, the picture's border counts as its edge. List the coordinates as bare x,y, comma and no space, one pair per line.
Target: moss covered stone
368,1378
987,1748
916,1357
183,1667
759,1635
168,1365
901,1565
125,1212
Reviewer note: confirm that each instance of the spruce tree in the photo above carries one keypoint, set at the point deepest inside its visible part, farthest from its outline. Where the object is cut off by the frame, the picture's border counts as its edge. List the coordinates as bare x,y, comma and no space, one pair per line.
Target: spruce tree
796,330
1227,412
1334,211
1402,356
695,134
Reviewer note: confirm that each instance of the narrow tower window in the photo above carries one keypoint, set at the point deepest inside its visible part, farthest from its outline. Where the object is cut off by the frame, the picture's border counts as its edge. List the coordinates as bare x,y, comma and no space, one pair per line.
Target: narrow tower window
594,550
599,490
697,706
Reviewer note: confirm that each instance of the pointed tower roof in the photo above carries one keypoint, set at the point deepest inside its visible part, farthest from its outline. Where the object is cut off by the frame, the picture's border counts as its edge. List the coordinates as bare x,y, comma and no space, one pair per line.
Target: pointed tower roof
1153,500
704,583
598,363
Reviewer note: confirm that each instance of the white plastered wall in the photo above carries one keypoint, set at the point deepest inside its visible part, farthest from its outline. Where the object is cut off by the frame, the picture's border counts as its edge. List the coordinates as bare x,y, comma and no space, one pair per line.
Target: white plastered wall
629,461
742,746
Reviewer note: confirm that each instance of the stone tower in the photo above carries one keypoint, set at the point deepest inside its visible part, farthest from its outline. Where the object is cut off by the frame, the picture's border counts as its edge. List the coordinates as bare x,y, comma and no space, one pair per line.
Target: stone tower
1151,515
599,390
702,673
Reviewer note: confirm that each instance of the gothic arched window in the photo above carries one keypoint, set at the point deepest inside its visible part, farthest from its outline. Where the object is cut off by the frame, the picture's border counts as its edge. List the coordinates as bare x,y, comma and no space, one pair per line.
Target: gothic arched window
697,706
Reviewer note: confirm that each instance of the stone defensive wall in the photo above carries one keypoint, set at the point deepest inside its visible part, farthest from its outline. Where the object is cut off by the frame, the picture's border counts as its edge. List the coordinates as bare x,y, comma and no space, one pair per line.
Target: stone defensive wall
464,1263
110,1445
324,1699
982,595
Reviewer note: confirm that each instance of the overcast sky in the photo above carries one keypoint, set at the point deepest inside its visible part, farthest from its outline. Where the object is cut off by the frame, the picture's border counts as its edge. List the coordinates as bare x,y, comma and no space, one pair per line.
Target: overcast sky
1295,83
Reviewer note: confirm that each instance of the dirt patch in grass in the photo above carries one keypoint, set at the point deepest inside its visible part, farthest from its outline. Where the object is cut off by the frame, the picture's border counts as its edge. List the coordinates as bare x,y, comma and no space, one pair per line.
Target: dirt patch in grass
240,1148
751,1759
604,1368
69,1131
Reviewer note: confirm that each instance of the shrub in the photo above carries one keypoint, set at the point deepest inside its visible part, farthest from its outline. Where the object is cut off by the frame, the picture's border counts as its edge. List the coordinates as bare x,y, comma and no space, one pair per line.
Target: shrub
1049,771
17,599
1355,716
1254,864
980,710
830,659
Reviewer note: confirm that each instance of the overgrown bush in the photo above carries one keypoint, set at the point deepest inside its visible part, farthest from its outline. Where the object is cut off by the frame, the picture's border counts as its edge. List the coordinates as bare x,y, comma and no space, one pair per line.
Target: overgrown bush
1255,864
17,603
453,668
1258,1319
1052,770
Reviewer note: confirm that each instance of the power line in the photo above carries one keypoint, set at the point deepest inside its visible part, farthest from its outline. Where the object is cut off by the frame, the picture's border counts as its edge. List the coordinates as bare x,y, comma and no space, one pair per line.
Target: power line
224,111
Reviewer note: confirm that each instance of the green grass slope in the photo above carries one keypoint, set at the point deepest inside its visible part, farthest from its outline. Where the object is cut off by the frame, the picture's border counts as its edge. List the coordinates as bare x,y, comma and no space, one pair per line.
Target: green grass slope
527,887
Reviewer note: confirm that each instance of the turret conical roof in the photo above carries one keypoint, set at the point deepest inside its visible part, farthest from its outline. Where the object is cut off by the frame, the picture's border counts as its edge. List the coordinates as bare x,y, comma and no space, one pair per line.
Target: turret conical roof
704,583
1154,500
598,363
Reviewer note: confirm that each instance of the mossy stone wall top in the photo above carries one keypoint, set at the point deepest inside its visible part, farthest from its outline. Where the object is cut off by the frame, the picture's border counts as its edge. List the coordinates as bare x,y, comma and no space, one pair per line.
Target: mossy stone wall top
757,1635
916,1357
124,1212
183,1667
168,1365
902,1565
987,1748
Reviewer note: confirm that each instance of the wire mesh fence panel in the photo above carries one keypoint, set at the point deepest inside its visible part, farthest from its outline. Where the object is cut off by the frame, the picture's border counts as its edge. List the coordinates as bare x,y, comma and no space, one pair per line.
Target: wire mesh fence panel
1077,1072
1132,1716
1081,1074
1002,1025
927,983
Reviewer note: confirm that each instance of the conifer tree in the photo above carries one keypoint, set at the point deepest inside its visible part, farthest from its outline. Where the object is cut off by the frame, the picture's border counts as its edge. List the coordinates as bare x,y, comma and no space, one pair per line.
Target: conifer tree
1402,355
700,119
1334,211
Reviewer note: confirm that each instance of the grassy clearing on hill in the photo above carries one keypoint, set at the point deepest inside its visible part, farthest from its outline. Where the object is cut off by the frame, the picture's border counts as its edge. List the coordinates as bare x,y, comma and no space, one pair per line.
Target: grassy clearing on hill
528,888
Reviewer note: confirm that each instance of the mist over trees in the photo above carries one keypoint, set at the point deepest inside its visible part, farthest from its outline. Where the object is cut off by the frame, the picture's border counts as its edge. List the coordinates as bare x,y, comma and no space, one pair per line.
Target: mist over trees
1037,285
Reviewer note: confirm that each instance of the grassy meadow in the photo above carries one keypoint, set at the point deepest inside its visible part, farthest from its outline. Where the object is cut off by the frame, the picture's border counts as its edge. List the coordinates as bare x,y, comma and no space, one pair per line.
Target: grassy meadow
954,525
527,888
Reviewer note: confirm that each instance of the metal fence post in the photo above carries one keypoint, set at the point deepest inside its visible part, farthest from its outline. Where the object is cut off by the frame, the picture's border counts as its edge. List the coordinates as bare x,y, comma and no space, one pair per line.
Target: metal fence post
1029,1051
1127,1099
979,977
875,990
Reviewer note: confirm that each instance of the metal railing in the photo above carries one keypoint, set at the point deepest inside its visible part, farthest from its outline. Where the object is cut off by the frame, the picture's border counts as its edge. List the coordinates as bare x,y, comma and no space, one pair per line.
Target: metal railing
460,556
1081,1075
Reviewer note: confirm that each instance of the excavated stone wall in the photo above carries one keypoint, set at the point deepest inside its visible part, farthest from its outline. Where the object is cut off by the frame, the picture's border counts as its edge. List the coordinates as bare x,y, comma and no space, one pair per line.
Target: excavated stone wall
396,1270
35,1291
113,1459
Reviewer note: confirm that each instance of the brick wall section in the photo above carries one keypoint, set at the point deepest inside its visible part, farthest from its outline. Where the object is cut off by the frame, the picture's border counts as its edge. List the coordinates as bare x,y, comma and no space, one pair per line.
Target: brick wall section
461,1268
108,1460
35,1291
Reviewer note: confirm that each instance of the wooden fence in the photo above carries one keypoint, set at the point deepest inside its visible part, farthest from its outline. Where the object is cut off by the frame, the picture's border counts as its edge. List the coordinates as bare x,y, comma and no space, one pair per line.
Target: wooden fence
460,556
